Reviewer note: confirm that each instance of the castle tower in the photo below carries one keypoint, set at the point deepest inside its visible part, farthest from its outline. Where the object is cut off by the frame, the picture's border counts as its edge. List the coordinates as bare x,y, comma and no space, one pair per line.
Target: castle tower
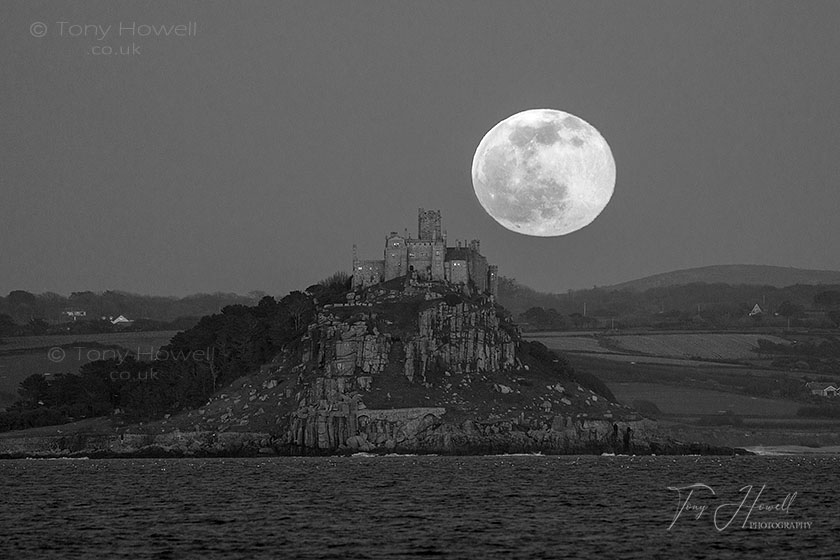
428,225
438,258
396,256
493,280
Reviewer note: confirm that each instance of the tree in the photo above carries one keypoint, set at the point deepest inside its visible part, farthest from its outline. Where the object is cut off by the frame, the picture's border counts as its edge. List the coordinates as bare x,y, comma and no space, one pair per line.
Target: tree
338,281
300,309
21,305
827,299
788,309
33,390
332,289
543,319
256,295
20,297
38,326
536,316
8,327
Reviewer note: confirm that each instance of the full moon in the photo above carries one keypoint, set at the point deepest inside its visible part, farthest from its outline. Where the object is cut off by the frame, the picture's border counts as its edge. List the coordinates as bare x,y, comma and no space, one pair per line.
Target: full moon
543,172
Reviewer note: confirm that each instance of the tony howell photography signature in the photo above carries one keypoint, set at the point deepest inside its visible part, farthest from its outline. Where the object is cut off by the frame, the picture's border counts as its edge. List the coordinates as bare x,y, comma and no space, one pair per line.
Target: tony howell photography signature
770,512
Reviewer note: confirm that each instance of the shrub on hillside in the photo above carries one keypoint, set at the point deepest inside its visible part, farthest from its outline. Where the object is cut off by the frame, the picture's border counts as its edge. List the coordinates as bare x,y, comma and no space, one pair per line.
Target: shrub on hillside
647,408
561,367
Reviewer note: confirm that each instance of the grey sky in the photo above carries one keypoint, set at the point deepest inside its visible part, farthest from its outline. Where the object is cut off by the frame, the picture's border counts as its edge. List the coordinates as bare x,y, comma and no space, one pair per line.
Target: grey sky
254,154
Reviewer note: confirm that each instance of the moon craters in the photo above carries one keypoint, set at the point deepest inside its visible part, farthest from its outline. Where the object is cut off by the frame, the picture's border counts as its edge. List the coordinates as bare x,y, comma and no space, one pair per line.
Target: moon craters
543,172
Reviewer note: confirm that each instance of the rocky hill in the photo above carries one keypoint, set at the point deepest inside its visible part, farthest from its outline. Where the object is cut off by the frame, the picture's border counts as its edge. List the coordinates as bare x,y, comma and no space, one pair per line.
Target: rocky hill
400,367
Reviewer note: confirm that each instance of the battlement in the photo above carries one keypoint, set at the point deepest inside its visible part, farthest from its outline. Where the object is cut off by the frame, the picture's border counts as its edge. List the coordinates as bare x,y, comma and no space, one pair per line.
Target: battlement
428,224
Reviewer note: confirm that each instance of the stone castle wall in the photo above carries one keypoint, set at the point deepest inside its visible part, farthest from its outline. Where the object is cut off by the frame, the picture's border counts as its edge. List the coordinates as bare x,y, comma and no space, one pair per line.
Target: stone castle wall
368,273
396,257
428,257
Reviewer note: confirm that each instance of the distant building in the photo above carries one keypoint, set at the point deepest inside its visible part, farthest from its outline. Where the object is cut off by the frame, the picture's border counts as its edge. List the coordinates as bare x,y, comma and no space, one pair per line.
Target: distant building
121,321
823,389
74,314
428,258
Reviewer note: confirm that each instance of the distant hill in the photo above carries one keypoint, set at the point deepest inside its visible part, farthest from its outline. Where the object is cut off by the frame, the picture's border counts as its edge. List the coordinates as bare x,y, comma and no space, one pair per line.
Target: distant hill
715,297
734,274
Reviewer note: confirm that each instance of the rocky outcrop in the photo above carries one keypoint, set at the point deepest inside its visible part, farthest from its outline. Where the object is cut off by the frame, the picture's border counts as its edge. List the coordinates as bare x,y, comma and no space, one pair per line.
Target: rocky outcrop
399,368
461,338
422,371
350,351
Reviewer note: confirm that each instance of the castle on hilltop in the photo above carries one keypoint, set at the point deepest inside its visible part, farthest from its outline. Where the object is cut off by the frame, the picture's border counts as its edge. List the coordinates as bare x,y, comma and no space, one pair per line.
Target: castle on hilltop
428,259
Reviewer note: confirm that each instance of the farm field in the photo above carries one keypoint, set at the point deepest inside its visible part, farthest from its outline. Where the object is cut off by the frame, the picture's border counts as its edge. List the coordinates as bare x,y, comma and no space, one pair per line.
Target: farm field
683,401
687,377
128,340
667,371
719,346
25,356
576,344
698,346
653,360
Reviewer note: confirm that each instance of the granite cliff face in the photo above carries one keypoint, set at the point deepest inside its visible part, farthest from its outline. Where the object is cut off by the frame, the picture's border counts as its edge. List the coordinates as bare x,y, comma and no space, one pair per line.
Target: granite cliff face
400,367
421,368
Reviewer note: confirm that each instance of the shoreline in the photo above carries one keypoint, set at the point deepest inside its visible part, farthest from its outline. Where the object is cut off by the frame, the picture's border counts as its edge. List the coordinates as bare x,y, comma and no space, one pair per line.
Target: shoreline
256,444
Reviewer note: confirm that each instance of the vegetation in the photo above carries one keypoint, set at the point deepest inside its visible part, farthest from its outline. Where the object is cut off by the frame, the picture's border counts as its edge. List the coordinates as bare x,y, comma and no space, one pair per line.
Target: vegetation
561,368
182,375
820,411
223,346
23,313
819,355
705,346
689,306
647,408
332,289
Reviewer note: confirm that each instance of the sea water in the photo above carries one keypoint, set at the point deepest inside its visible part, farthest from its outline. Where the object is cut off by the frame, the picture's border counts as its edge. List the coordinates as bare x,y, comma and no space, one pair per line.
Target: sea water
412,506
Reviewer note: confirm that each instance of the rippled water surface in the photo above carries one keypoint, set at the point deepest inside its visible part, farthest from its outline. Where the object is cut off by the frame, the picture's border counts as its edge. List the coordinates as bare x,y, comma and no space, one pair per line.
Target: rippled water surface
399,507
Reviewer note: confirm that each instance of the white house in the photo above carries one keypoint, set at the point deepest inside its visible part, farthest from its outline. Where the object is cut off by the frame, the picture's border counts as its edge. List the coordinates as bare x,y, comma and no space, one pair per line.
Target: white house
822,388
74,314
122,320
